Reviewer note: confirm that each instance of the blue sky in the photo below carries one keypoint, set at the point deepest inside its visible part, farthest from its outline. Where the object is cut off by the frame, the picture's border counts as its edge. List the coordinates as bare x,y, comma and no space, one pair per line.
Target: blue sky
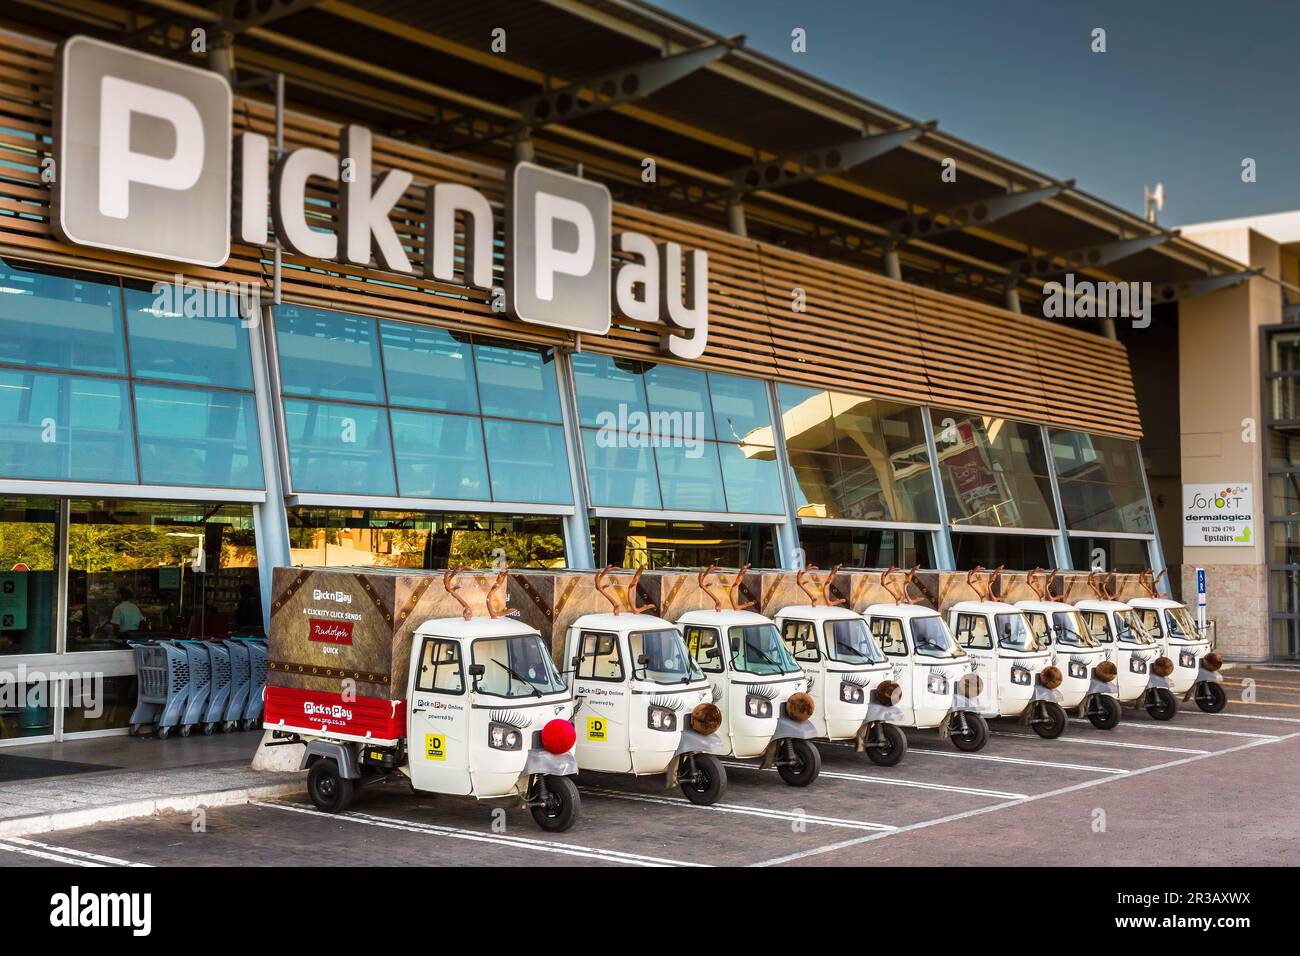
1185,91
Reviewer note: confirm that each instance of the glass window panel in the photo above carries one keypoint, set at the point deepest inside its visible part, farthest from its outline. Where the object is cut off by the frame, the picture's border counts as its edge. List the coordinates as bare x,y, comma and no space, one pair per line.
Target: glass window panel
1125,555
103,704
439,456
52,321
752,482
1286,638
604,388
29,711
517,383
428,368
1101,482
1284,352
632,543
1078,455
740,409
339,449
1011,550
816,480
168,343
132,574
196,436
1284,449
65,427
619,475
689,478
865,547
328,354
27,594
806,417
1284,496
528,462
1286,397
877,428
994,471
1283,543
1090,506
679,402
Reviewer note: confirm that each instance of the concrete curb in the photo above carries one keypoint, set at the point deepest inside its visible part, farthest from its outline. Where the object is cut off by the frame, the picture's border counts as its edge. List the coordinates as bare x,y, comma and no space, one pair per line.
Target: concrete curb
182,803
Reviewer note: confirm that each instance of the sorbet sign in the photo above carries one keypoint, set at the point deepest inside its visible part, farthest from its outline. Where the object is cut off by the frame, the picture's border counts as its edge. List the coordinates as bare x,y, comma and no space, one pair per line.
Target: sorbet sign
1218,515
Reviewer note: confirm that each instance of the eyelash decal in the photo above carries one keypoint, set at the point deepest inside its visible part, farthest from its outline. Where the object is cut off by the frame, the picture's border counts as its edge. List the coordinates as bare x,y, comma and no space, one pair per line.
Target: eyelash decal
853,677
667,703
762,690
511,717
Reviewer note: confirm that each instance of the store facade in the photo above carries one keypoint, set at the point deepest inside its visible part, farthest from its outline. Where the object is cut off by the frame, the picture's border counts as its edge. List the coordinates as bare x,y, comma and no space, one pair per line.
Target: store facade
163,445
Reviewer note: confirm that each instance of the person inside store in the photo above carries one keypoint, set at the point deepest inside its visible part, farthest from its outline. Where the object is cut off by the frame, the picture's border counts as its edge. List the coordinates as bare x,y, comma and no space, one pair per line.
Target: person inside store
126,616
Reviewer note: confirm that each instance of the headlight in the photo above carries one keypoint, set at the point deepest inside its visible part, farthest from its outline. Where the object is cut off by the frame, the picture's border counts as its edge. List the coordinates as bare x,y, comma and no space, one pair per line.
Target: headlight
1019,675
1137,665
851,693
1077,668
936,684
1186,658
758,706
502,736
661,718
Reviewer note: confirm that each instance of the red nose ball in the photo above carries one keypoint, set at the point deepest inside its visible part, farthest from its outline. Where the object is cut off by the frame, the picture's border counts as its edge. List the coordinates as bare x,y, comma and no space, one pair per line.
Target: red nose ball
558,736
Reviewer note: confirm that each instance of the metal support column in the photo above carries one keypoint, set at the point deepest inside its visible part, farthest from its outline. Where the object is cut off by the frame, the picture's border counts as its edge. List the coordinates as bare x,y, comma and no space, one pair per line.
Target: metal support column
578,552
736,218
893,267
1156,554
944,556
1061,540
1013,298
787,533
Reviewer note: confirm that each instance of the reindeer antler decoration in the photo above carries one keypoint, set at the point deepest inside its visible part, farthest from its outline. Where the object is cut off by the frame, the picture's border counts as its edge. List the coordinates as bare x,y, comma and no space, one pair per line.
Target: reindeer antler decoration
1149,579
970,580
1096,588
631,593
735,587
798,579
449,583
1030,579
1051,579
995,583
910,578
884,583
602,576
496,587
826,587
704,586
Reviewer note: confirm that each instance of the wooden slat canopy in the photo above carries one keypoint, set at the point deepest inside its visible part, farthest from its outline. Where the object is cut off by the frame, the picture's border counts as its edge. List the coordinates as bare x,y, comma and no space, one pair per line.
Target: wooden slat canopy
857,332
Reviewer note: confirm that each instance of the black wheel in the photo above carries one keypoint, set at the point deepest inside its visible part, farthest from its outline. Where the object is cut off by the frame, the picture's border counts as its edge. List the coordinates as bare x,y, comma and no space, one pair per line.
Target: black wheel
974,737
1049,719
887,747
1162,704
1104,712
209,729
1211,697
329,791
229,726
186,729
164,733
250,723
134,731
802,763
702,777
560,810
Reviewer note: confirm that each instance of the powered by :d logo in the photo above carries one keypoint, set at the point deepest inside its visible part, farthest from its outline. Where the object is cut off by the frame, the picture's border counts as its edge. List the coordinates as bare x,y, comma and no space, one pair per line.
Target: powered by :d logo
143,154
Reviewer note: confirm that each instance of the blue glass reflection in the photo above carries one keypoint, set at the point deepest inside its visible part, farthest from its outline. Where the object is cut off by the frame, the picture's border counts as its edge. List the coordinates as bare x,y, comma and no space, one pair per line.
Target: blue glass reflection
196,436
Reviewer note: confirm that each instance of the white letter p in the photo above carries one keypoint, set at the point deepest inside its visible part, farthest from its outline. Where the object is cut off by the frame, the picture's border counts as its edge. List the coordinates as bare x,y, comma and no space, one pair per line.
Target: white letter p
578,262
119,166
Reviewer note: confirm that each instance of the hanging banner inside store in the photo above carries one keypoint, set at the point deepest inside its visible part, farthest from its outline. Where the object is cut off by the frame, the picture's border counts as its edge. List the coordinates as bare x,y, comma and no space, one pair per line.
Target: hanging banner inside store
146,164
1217,516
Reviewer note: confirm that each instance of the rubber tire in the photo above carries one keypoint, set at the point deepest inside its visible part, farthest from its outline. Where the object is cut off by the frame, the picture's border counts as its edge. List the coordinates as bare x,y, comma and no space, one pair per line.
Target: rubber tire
895,749
979,735
229,726
251,723
163,733
186,730
565,815
1109,719
715,781
134,731
1168,705
209,729
1057,727
1214,699
330,792
811,768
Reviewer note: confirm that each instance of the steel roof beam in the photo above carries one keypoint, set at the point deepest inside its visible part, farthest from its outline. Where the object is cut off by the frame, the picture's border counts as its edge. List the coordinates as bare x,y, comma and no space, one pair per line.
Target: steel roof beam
977,213
225,17
1087,257
1162,293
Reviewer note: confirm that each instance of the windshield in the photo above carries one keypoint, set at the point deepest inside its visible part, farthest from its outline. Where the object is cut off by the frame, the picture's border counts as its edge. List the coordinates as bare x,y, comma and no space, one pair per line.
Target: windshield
758,649
1129,628
1181,624
1150,619
516,667
1038,624
667,661
1014,633
1070,629
850,642
932,638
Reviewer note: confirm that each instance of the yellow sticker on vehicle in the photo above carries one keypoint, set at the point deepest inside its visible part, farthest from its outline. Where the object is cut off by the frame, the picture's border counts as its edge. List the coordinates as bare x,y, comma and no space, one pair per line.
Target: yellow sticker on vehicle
596,729
435,747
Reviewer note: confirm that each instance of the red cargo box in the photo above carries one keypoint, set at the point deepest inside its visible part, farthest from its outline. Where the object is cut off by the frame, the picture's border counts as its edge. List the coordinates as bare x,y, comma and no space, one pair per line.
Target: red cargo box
325,714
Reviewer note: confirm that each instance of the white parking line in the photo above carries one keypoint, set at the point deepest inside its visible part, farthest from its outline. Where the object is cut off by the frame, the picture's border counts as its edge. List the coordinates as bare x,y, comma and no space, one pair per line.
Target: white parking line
1179,728
27,851
1229,713
500,839
900,782
69,851
977,811
1023,761
1093,742
787,816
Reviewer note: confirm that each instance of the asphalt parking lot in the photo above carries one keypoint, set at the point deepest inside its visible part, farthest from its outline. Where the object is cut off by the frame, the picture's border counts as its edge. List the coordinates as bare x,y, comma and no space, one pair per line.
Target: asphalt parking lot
1202,789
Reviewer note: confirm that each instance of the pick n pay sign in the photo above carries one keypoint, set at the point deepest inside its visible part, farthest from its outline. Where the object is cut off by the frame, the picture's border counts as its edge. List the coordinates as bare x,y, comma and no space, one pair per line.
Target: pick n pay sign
146,164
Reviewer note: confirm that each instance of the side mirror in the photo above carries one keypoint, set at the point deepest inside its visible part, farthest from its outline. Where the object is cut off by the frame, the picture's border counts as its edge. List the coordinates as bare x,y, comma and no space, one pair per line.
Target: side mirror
575,662
712,654
643,660
477,670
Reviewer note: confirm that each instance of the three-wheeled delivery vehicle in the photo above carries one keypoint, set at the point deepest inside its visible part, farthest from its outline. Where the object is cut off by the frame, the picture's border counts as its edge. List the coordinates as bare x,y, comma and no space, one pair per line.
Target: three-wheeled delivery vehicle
486,715
1142,672
1004,651
642,704
934,683
1075,652
760,689
834,646
1196,666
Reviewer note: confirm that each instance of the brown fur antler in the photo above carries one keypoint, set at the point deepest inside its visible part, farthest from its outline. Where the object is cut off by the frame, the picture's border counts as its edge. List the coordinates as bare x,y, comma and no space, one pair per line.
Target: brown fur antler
798,579
1051,579
826,587
971,576
1096,588
1031,580
735,587
884,583
449,582
995,583
491,595
910,578
631,593
704,586
602,578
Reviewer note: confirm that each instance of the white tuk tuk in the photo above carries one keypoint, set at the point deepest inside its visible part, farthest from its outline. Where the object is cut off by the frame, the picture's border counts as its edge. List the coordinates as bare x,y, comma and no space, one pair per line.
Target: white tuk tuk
1196,666
934,685
1142,672
487,716
760,689
1004,650
834,646
642,704
1075,652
